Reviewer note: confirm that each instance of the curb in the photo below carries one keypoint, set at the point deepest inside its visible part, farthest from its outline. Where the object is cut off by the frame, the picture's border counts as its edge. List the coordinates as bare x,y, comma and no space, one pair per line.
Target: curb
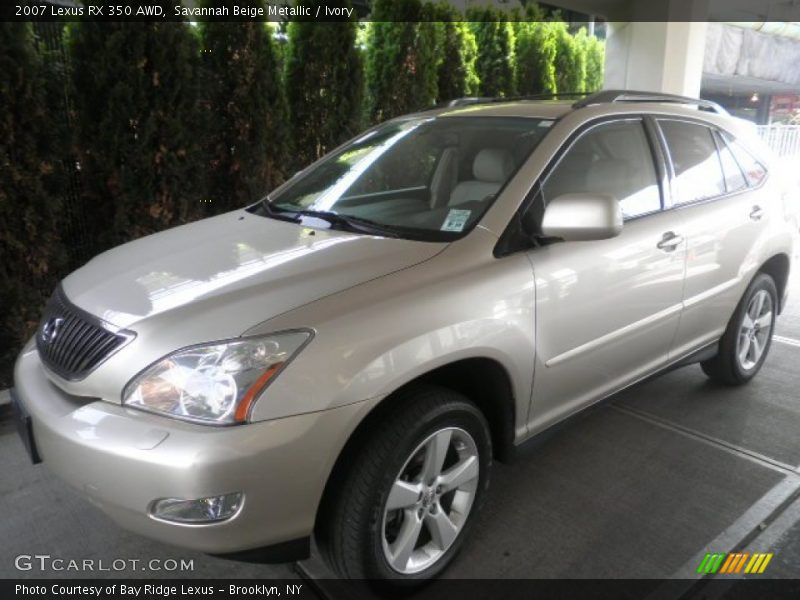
5,397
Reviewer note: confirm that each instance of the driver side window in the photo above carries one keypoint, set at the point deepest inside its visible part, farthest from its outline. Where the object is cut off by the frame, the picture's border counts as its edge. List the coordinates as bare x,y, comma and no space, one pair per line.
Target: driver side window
610,158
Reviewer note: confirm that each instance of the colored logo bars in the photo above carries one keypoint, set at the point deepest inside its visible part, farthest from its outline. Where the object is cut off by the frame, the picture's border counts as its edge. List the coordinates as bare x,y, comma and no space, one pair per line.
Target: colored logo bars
734,562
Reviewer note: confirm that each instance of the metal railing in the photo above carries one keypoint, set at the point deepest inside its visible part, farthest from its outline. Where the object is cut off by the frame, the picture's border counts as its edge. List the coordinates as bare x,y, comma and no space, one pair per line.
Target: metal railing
784,140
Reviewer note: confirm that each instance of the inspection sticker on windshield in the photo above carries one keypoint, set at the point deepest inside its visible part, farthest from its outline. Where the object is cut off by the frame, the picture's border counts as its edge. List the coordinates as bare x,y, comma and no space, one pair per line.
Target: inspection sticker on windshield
456,220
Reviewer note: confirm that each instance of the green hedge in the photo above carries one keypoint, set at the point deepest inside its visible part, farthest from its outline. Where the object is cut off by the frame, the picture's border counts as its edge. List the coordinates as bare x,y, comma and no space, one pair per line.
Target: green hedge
537,48
496,65
458,52
401,59
163,123
242,113
324,84
135,88
32,145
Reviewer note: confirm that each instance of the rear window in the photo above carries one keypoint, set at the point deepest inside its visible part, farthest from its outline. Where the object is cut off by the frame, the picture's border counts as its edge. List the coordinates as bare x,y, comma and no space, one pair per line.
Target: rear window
753,170
734,177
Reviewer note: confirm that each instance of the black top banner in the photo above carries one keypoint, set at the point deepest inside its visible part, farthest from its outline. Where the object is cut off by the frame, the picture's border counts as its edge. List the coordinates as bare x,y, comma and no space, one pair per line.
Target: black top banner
338,10
174,11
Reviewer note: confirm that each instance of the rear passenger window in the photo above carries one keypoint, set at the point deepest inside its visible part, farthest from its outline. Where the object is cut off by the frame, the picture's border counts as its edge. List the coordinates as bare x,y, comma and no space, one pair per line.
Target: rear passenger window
698,172
753,170
734,178
611,158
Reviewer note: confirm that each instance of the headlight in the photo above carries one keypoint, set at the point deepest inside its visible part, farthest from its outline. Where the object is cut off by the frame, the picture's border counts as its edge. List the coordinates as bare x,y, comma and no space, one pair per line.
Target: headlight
215,383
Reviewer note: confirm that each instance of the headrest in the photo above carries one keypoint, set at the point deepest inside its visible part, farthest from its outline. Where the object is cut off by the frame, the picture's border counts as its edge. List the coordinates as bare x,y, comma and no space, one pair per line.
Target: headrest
493,165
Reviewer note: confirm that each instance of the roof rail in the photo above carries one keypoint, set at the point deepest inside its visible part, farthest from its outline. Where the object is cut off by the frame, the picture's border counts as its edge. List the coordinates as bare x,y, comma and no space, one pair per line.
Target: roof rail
466,101
487,99
634,96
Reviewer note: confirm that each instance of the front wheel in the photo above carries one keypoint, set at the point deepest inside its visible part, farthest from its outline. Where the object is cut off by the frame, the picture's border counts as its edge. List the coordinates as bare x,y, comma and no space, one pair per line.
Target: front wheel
409,499
746,342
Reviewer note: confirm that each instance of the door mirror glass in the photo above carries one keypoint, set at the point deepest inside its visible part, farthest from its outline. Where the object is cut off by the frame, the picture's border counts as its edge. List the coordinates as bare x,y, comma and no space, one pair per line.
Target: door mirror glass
580,217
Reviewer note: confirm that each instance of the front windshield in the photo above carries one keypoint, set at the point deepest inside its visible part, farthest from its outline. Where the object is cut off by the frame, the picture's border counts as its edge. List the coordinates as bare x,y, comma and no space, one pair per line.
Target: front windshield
422,178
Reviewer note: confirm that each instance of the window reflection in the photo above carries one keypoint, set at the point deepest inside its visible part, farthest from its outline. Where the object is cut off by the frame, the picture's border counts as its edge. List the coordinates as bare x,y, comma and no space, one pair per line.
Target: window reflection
698,172
429,175
611,158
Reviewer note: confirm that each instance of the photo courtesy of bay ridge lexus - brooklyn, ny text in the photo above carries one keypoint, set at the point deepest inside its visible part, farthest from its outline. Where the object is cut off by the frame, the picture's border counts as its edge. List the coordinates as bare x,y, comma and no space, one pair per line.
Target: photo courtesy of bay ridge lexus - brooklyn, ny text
420,299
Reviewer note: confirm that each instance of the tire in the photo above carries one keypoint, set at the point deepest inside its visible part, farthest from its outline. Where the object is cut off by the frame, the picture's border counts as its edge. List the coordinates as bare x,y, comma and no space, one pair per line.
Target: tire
743,349
361,536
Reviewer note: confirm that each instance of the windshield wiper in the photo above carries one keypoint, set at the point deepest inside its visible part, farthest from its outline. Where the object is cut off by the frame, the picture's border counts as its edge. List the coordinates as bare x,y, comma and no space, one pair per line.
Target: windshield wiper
349,222
276,212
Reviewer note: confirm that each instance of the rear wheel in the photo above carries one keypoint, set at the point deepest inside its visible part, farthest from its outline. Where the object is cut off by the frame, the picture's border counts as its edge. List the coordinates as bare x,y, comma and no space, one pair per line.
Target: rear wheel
746,342
409,499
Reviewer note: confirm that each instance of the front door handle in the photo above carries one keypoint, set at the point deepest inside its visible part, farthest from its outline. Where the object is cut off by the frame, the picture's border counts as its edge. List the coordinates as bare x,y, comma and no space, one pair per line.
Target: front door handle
756,213
669,241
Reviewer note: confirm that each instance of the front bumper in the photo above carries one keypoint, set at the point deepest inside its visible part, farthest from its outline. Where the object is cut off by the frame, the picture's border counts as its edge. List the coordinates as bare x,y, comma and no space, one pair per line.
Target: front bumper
123,459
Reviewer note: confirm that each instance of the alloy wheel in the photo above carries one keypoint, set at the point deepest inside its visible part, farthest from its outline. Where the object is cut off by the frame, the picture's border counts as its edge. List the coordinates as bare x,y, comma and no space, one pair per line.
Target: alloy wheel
755,330
430,500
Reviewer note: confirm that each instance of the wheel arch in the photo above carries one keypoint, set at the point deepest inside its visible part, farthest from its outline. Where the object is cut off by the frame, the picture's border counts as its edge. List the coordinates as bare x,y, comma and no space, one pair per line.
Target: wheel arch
777,267
484,381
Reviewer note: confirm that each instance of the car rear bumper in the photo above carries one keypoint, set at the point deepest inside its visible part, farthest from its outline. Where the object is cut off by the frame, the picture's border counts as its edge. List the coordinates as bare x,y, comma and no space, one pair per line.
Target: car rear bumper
122,460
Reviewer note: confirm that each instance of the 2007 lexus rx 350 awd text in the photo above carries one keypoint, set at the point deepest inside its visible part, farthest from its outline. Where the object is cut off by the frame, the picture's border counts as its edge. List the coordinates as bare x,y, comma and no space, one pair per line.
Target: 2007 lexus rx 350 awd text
345,359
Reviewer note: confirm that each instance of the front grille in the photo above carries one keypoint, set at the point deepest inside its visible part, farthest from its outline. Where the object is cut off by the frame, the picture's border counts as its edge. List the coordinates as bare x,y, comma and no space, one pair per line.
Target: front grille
71,342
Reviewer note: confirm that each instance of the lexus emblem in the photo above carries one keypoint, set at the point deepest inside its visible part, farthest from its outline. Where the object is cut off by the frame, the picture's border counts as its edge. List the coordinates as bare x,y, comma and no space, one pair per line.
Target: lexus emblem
50,329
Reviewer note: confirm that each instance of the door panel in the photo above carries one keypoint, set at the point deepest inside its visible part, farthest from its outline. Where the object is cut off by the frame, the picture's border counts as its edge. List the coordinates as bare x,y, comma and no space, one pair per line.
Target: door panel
606,311
720,260
722,219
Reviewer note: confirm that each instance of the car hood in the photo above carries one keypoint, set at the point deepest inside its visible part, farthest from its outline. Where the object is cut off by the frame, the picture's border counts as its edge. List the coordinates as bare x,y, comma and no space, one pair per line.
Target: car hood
224,275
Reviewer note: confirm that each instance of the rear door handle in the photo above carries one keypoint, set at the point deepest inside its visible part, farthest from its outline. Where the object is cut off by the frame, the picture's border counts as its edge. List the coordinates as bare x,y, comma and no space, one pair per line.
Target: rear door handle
670,241
756,213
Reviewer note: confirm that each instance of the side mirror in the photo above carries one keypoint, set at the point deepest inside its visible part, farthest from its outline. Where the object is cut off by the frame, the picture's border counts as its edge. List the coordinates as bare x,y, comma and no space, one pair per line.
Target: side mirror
582,217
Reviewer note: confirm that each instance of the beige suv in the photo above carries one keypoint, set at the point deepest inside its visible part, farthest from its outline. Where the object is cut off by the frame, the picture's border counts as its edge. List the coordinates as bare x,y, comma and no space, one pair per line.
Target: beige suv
347,357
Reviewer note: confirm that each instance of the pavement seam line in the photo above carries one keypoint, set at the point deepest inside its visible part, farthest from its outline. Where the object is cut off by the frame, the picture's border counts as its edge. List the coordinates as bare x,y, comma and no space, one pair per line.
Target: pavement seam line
761,459
786,340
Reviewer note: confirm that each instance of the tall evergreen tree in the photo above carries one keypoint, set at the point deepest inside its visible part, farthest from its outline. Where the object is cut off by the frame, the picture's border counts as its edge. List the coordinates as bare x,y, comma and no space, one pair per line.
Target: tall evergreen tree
401,59
243,111
135,89
595,63
456,76
32,146
580,47
324,84
570,61
536,57
496,62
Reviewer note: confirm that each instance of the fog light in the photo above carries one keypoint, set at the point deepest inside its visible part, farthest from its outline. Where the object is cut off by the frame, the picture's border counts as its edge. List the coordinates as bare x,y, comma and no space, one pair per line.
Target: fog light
201,510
